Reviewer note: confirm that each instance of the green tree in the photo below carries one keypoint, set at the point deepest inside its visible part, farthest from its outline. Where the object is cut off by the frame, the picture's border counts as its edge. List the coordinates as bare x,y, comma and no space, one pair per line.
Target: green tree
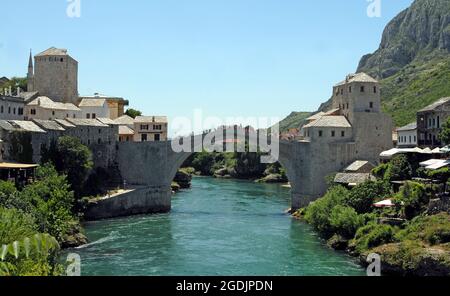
52,200
345,221
133,113
318,213
444,135
72,159
399,169
364,195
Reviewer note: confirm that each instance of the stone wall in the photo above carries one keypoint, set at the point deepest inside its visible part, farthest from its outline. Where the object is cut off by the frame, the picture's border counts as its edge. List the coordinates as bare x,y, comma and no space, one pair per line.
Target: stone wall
143,200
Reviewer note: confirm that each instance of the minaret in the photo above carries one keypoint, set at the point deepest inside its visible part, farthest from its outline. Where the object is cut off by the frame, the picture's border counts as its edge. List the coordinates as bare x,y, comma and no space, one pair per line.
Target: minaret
30,75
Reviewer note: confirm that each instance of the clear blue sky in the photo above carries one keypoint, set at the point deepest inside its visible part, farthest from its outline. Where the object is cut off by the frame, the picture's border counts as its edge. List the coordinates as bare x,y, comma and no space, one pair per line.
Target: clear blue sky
227,57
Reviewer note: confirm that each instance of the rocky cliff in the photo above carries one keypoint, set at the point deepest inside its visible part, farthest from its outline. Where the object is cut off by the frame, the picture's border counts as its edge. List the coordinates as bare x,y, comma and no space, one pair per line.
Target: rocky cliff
420,32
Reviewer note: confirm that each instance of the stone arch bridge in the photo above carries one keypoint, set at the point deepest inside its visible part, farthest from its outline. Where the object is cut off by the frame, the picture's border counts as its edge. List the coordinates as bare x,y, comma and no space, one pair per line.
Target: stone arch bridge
149,168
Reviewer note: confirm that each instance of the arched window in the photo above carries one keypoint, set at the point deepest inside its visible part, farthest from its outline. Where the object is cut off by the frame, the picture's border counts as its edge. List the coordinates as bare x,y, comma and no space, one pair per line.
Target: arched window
374,89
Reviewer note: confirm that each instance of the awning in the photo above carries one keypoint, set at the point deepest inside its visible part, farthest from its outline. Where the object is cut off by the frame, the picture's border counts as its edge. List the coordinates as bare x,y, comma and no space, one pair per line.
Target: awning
434,164
384,204
12,165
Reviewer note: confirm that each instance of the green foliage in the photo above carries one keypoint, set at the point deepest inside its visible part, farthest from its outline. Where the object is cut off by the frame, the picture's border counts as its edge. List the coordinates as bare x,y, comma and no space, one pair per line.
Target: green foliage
373,235
30,256
362,197
20,148
442,174
345,221
15,225
419,84
430,229
15,82
294,120
318,213
133,113
380,171
70,158
52,200
398,169
413,197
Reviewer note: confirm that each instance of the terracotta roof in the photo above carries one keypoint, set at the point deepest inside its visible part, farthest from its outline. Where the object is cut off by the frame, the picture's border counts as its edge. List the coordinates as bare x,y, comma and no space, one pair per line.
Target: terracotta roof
92,103
52,51
64,123
49,124
352,178
436,104
357,165
408,127
146,119
330,121
106,120
28,126
47,103
124,119
316,116
86,122
125,130
359,77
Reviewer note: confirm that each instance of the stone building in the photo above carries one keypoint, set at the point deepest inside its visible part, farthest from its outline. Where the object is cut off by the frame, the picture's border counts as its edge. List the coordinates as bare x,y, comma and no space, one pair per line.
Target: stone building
45,108
54,75
355,117
430,120
407,136
150,128
94,108
11,108
115,105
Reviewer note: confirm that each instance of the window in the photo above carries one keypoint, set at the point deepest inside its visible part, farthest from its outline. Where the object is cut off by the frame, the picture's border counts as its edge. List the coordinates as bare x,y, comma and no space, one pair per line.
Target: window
415,139
434,122
88,115
374,89
1,109
363,89
20,111
67,115
320,133
157,137
99,130
14,110
94,115
144,127
9,110
410,139
350,89
371,105
347,105
144,137
343,134
342,91
89,142
33,111
74,116
62,60
99,141
157,127
333,133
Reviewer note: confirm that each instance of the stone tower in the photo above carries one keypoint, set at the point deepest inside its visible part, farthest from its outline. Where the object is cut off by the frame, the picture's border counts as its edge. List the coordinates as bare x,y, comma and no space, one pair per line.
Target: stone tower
357,93
56,75
30,74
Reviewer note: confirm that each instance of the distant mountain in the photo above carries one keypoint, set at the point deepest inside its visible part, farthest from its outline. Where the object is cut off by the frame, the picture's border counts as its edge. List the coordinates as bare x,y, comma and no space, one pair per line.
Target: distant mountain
413,60
294,120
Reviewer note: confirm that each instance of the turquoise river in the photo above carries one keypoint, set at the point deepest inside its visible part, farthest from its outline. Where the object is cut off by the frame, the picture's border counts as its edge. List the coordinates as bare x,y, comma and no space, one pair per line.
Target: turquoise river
219,227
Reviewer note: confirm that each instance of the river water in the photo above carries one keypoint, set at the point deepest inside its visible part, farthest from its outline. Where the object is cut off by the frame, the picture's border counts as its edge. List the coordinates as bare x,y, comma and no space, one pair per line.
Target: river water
219,227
